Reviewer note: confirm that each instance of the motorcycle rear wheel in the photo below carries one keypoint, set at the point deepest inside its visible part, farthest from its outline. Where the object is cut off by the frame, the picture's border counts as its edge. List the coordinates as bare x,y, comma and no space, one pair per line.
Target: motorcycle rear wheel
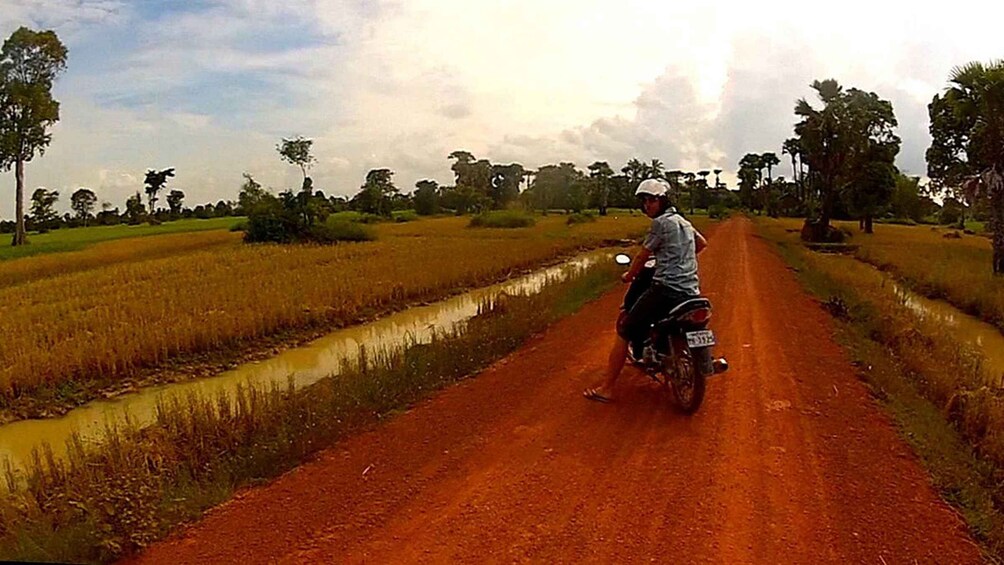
687,382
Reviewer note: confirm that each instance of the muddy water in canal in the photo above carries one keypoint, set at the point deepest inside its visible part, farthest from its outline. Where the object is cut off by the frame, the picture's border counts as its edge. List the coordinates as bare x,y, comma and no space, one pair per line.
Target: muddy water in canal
304,365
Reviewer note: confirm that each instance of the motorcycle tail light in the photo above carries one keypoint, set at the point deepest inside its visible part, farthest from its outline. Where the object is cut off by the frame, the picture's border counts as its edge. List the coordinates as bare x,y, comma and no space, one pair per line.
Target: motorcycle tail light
698,316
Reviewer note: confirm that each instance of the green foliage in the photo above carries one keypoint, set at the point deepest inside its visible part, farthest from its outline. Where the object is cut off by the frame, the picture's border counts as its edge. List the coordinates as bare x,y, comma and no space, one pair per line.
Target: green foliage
503,219
297,218
966,157
377,194
402,216
718,212
296,151
426,197
135,212
175,200
30,61
850,147
333,231
43,215
82,201
155,181
951,212
580,218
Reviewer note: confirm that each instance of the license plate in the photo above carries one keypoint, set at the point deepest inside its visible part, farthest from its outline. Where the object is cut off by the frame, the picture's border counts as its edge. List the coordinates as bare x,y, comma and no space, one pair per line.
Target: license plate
704,338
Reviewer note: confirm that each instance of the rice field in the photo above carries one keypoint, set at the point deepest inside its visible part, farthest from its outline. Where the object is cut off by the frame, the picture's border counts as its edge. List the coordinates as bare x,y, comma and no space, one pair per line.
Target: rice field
106,312
956,270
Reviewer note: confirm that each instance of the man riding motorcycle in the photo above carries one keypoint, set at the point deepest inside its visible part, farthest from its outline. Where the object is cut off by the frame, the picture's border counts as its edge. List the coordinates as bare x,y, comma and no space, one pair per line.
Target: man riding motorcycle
674,243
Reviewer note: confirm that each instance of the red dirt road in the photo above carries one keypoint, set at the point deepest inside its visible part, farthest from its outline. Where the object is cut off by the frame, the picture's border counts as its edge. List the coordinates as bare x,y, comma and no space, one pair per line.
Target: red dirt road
788,461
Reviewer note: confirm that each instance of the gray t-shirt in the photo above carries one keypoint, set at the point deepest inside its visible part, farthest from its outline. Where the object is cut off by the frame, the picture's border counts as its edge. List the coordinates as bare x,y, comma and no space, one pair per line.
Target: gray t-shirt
671,241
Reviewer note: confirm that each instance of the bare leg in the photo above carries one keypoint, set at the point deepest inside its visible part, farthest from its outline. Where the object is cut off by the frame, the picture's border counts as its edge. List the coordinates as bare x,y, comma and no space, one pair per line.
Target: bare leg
614,365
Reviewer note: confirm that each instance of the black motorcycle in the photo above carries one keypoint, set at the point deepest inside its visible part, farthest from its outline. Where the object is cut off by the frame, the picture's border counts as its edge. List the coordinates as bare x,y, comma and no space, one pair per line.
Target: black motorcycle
677,351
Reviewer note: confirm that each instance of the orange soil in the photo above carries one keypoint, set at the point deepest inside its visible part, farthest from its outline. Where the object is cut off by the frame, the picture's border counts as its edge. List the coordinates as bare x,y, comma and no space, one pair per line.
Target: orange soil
788,461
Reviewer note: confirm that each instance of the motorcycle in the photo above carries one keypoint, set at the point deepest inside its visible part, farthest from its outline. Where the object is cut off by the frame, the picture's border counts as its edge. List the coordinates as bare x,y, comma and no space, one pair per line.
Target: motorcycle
677,352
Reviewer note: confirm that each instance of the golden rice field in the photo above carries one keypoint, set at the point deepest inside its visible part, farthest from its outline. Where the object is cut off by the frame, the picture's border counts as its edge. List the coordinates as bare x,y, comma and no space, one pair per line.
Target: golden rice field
103,313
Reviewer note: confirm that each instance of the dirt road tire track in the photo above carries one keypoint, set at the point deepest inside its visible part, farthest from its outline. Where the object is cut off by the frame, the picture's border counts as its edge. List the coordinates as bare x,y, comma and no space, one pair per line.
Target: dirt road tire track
789,460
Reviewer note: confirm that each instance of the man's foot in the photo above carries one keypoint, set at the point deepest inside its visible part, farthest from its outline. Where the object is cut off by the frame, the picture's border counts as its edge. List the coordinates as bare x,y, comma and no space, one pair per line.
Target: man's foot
597,394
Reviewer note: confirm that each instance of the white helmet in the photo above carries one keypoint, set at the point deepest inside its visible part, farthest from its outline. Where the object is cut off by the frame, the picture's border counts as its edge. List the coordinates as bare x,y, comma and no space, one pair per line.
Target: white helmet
652,187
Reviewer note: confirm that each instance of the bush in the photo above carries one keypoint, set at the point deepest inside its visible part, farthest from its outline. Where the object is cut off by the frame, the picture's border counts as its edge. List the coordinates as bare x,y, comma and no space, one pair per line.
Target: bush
240,226
287,220
582,218
502,219
718,212
405,216
949,215
332,231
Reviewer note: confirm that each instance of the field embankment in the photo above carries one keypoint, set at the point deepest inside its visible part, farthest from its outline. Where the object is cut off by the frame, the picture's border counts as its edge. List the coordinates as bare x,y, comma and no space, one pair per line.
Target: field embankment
65,337
939,388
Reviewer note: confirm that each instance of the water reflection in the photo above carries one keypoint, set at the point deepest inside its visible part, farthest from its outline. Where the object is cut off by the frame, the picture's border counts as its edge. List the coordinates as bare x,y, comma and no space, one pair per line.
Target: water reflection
981,336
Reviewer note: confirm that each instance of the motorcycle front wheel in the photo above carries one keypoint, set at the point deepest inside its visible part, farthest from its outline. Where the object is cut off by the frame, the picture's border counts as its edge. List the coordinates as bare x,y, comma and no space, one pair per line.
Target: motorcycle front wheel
686,381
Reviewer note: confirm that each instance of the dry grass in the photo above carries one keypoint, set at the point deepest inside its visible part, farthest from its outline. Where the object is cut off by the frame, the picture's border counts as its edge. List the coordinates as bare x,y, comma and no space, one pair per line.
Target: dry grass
104,323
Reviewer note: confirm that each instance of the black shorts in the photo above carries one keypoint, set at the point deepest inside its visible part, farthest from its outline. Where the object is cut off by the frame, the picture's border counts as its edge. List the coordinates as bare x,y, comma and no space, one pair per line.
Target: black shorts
648,308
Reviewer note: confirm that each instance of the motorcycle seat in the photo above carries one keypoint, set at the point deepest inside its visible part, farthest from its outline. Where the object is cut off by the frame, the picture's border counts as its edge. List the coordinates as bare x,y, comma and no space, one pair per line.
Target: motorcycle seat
689,305
679,310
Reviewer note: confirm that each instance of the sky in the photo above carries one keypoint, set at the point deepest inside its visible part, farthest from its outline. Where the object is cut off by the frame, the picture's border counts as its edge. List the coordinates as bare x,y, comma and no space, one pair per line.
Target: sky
209,87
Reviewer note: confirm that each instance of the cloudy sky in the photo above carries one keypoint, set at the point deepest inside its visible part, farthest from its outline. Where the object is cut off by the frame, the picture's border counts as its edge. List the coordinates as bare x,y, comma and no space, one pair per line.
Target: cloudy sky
211,86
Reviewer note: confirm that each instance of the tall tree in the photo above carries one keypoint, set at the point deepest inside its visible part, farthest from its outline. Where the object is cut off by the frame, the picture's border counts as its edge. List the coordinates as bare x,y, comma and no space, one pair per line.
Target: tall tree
749,180
505,181
134,210
175,200
636,172
768,161
43,213
155,181
792,148
296,151
473,177
377,193
718,183
30,61
426,197
847,140
967,147
83,201
601,173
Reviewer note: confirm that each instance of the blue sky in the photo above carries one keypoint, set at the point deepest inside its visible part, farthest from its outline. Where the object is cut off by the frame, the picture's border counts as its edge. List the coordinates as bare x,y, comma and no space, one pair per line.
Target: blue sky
210,87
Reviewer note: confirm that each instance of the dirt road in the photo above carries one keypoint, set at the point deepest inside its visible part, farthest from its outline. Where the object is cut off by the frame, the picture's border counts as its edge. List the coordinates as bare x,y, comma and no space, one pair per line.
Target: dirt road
789,461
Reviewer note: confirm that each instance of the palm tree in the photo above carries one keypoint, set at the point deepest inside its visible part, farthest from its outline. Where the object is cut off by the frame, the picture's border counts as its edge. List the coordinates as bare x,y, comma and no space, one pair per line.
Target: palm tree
793,148
769,160
717,183
636,172
967,149
656,169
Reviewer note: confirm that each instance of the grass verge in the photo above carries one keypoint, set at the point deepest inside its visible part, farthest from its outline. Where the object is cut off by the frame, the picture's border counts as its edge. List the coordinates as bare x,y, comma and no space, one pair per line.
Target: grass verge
932,387
108,501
